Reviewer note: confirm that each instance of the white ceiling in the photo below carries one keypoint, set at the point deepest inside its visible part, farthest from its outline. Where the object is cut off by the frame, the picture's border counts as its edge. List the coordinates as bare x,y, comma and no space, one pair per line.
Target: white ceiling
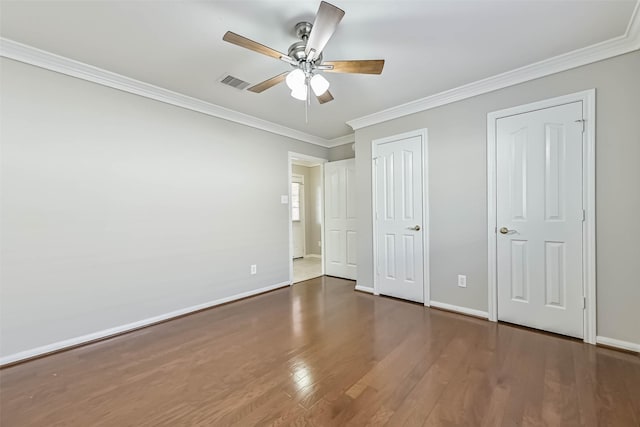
429,46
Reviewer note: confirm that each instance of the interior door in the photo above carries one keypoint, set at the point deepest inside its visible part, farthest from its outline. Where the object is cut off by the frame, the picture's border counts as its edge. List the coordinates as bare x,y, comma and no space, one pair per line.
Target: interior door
340,218
539,219
398,218
297,215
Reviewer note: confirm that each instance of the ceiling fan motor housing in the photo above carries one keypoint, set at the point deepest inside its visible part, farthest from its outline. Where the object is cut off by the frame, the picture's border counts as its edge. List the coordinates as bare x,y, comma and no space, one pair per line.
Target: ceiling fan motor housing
297,50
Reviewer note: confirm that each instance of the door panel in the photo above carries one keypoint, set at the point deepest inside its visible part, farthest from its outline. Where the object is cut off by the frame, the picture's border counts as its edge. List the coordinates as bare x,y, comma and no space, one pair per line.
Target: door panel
519,271
351,248
400,263
554,274
539,203
340,218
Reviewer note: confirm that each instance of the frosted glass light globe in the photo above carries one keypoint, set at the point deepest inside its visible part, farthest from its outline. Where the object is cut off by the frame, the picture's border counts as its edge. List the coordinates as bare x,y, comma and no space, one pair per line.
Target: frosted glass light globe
295,79
300,93
319,84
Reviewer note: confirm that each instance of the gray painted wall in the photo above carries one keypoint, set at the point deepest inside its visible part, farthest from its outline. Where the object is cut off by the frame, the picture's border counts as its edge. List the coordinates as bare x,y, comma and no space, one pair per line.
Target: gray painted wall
457,187
312,204
341,152
116,208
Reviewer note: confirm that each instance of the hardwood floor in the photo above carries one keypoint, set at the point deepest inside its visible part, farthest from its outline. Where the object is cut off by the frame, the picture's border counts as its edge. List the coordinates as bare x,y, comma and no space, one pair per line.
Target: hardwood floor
320,354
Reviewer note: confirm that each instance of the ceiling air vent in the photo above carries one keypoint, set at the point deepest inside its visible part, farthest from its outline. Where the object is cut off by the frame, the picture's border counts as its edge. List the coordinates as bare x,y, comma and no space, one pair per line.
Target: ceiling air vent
235,82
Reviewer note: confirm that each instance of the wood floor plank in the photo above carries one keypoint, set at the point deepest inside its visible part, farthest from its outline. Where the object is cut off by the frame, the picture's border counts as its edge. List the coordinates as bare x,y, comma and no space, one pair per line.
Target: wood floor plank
559,406
321,354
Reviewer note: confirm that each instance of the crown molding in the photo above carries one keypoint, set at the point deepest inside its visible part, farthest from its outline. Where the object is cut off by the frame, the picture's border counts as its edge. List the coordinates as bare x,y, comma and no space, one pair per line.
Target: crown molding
341,140
633,29
60,64
628,42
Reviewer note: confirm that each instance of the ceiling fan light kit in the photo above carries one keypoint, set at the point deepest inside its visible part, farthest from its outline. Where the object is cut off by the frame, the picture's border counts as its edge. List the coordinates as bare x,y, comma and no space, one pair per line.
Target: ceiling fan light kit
300,93
295,79
319,84
306,57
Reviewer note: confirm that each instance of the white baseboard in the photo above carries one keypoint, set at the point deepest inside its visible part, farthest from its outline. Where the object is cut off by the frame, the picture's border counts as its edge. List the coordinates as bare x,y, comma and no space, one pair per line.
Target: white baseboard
313,256
364,289
458,309
106,333
612,342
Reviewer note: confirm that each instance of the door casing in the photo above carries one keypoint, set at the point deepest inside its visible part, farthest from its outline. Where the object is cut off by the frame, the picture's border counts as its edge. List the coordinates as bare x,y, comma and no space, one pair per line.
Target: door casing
587,98
290,158
423,135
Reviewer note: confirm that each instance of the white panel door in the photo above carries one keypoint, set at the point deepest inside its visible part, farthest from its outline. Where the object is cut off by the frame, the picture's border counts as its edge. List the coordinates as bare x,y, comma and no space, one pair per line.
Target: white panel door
539,219
340,218
399,228
297,215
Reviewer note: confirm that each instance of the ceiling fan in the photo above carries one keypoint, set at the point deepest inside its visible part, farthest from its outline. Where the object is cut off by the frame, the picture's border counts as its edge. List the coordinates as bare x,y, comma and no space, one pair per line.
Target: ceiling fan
306,57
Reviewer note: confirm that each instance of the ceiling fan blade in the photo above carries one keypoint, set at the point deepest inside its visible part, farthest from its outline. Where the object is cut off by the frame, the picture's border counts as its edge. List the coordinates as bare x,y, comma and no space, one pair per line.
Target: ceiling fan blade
325,24
371,66
261,87
242,41
325,97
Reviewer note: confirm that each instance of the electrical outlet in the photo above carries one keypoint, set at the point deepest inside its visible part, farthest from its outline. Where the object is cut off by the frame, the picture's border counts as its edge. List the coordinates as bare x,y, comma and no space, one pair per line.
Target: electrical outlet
462,281
319,243
254,269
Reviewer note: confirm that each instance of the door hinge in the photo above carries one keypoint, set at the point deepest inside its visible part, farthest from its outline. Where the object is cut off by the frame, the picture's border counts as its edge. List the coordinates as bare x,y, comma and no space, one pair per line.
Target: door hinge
584,215
582,121
584,303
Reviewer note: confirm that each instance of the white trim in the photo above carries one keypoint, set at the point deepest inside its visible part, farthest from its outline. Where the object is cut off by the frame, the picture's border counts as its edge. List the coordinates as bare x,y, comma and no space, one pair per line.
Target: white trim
458,309
364,289
588,99
106,333
290,157
612,342
321,210
633,29
312,256
341,140
423,134
374,191
589,225
628,42
40,58
492,292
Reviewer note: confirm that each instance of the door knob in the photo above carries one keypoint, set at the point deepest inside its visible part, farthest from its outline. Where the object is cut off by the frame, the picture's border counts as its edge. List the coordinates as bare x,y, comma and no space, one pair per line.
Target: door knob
416,228
504,230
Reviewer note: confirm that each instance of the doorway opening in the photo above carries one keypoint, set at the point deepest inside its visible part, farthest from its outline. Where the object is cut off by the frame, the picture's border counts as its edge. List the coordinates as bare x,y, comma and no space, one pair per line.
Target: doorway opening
306,219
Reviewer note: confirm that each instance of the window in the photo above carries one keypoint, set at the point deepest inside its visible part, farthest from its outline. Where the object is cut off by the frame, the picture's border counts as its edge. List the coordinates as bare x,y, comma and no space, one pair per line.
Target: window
295,201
